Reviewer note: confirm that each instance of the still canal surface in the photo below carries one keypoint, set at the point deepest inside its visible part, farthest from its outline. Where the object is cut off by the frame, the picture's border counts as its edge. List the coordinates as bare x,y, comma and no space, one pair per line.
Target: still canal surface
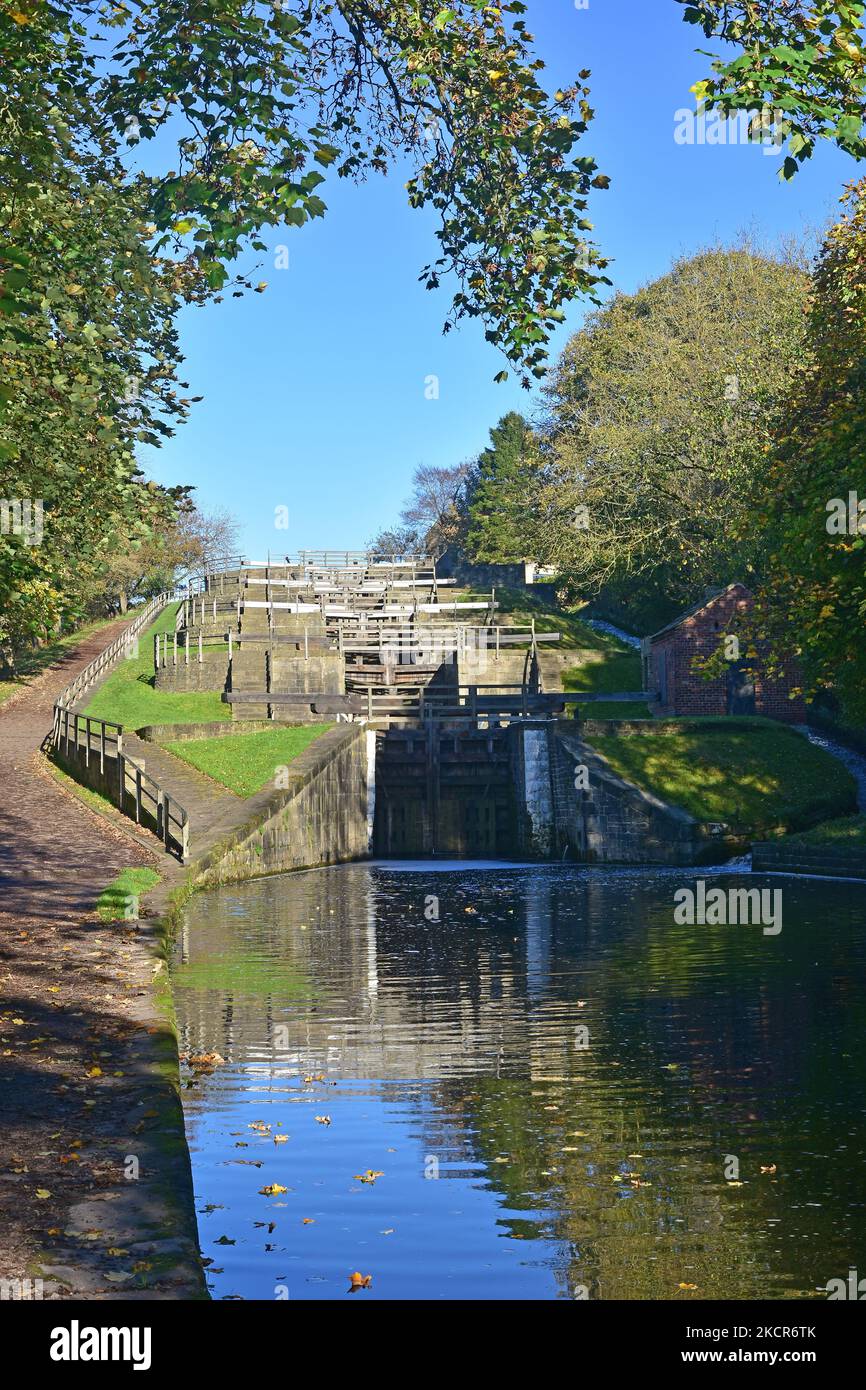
504,1082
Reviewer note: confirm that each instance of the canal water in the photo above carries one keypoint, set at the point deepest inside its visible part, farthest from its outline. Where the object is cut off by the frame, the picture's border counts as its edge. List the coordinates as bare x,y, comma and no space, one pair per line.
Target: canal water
502,1082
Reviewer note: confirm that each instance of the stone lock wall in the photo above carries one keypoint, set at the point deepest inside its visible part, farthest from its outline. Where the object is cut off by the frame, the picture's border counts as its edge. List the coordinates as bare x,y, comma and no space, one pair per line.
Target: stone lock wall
613,821
322,816
609,821
321,673
211,673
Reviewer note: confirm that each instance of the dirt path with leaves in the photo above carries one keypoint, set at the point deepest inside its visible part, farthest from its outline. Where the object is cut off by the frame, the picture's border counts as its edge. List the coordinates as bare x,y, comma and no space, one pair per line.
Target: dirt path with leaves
95,1190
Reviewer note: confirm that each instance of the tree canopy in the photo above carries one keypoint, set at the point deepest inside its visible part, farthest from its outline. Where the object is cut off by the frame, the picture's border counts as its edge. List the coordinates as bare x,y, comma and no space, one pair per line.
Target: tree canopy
661,413
256,102
500,493
815,496
145,146
804,60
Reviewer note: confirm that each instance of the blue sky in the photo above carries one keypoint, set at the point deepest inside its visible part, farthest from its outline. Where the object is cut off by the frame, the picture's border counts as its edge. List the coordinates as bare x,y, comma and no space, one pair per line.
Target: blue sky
314,391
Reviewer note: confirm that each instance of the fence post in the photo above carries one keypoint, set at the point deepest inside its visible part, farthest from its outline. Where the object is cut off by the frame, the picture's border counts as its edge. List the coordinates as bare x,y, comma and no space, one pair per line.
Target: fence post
87,736
186,648
121,774
156,651
200,657
75,733
160,814
174,650
138,796
102,749
184,841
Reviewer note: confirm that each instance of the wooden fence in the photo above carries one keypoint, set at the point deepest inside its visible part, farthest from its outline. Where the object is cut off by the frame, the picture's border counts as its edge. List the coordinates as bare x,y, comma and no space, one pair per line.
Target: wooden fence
97,745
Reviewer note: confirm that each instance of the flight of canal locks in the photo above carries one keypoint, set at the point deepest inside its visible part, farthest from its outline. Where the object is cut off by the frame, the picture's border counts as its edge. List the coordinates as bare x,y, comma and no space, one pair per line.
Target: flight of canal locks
466,1007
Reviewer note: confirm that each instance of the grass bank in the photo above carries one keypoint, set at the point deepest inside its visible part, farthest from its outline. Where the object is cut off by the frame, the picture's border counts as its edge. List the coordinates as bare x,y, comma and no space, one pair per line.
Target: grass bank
120,899
128,697
846,832
32,663
620,670
761,779
518,607
246,762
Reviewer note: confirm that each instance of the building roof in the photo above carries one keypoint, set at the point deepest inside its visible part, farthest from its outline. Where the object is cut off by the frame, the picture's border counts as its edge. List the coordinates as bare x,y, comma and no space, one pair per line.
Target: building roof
696,608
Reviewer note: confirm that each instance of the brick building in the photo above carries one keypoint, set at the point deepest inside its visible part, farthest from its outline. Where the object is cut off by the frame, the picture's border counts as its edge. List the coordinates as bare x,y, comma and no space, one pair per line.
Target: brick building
668,658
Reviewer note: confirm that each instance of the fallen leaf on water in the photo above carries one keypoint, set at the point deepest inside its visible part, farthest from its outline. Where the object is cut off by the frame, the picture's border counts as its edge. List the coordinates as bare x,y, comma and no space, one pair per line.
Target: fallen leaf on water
272,1189
281,1139
359,1281
42,1193
768,1168
308,1221
323,1119
206,1061
370,1176
687,1286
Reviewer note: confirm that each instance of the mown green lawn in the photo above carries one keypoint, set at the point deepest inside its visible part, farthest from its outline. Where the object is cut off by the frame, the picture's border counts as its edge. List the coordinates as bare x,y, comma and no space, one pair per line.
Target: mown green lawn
245,762
762,779
846,832
621,670
128,696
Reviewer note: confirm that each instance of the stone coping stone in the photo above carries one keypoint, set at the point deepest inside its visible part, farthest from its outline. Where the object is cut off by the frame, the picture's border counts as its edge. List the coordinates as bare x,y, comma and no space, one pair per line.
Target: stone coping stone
218,728
809,859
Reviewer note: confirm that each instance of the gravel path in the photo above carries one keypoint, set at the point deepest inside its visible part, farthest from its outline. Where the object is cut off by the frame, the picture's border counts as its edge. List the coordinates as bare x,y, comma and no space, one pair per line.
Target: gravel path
95,1195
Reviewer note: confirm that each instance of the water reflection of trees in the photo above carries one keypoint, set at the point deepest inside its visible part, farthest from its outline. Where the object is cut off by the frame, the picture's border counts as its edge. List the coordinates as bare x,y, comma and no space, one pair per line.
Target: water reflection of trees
703,1042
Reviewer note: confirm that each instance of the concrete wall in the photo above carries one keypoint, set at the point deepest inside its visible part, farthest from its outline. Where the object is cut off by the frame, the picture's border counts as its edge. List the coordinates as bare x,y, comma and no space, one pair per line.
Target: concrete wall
320,817
533,751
